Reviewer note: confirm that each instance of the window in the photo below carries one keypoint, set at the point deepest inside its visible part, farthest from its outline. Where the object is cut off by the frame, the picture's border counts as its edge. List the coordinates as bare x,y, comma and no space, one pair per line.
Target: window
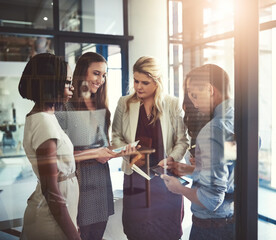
95,16
29,14
203,32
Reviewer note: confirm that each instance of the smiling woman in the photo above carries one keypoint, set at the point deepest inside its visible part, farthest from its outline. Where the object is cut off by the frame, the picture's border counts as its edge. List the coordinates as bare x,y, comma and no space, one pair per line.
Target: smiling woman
96,75
96,197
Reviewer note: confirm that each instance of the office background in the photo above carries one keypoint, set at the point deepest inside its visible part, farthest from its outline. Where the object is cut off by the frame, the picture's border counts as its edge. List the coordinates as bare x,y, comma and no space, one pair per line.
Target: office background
238,35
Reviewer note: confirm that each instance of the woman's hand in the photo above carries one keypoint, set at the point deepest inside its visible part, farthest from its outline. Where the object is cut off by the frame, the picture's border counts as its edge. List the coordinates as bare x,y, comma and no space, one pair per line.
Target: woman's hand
130,150
102,155
172,183
168,162
105,154
192,161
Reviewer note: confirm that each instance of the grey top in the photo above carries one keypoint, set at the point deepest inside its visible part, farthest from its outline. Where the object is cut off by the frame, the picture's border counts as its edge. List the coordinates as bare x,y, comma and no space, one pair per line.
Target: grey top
96,196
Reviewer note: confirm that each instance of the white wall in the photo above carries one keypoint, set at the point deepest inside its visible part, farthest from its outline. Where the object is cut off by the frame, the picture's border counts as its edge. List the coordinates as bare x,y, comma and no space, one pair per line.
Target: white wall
109,17
148,26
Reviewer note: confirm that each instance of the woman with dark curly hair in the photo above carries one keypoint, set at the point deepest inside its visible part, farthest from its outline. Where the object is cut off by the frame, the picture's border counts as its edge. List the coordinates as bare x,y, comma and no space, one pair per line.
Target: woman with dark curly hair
52,208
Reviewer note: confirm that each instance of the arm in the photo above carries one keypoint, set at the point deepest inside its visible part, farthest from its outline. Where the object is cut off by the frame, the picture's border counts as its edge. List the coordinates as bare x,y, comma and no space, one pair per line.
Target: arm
180,137
117,133
213,175
180,169
175,186
214,172
48,172
102,155
117,125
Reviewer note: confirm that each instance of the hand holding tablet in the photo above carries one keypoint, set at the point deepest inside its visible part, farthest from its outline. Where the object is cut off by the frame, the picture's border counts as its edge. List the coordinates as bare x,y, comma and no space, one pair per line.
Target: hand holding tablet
158,170
123,148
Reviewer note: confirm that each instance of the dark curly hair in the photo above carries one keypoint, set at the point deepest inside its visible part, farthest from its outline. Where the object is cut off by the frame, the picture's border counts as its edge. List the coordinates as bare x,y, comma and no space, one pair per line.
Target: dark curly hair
43,79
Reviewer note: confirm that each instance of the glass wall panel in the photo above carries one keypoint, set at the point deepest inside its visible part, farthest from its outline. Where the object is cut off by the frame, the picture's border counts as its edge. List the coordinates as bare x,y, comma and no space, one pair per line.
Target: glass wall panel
267,119
26,14
176,62
175,19
17,180
202,32
267,10
218,17
92,16
18,48
27,28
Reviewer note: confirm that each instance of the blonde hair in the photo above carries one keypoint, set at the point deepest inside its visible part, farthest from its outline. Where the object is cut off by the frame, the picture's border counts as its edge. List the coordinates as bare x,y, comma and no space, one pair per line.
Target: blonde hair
150,66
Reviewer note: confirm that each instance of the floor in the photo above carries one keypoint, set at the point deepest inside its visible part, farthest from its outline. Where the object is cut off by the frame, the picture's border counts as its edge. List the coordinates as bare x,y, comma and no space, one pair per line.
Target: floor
114,230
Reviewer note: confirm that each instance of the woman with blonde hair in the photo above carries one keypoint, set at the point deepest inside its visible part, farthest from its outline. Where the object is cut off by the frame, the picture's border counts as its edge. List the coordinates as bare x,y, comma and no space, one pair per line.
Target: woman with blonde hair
156,121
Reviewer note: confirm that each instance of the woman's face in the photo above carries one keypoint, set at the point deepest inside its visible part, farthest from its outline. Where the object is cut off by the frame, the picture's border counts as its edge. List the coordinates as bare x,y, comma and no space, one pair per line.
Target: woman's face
144,85
68,90
200,95
96,75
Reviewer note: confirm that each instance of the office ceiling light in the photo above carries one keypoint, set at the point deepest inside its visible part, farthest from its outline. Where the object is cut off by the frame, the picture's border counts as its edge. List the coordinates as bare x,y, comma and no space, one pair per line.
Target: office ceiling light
45,19
17,22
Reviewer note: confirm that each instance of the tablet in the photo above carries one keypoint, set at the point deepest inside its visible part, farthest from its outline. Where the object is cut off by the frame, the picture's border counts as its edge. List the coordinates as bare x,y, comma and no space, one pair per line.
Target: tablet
158,170
118,150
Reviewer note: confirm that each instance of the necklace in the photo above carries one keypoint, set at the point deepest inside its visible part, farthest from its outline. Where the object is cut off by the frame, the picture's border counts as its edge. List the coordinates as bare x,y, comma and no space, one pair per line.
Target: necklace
149,116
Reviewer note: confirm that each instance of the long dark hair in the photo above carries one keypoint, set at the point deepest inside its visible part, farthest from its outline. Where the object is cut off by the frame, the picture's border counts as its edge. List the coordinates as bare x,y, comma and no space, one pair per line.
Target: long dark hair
193,119
100,97
43,79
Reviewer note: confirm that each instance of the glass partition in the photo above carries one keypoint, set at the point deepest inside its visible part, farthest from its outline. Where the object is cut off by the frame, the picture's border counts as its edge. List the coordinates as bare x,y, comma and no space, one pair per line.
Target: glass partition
19,48
267,119
202,32
92,16
27,14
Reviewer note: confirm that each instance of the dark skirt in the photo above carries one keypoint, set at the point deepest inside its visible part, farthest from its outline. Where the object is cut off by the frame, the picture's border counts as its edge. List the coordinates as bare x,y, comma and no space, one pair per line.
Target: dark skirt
96,196
162,220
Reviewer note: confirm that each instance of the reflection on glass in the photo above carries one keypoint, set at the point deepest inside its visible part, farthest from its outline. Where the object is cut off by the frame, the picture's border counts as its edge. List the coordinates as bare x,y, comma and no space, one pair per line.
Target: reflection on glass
175,19
218,17
93,16
27,14
12,114
267,11
21,48
267,113
14,53
267,118
221,53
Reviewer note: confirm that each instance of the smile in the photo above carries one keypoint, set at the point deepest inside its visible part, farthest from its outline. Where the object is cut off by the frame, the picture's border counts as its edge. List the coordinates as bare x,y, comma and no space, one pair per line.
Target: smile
95,85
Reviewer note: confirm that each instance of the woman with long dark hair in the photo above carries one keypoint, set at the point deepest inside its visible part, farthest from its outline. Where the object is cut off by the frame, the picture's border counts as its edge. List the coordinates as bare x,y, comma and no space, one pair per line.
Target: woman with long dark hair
96,196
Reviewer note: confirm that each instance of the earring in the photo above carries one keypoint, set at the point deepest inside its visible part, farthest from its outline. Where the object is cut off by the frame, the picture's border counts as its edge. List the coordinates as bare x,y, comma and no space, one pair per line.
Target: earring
84,90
